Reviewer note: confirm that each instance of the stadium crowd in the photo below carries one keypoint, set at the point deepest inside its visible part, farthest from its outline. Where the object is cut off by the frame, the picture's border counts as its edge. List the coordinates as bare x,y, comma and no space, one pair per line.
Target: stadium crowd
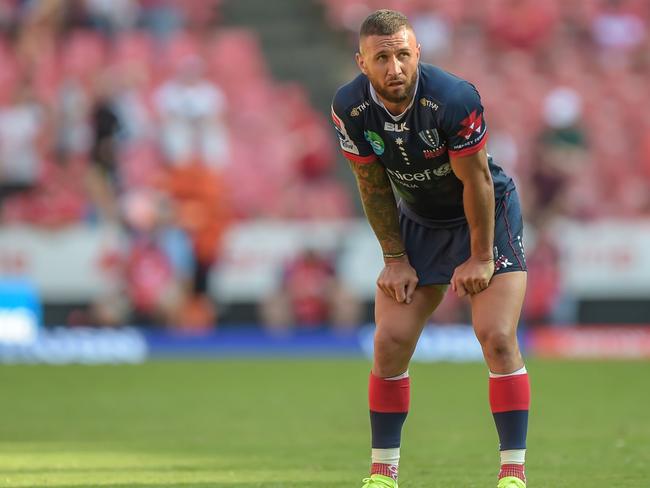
149,115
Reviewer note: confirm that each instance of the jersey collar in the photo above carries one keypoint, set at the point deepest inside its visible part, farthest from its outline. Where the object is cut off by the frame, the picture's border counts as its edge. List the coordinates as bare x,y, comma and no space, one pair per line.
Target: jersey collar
375,98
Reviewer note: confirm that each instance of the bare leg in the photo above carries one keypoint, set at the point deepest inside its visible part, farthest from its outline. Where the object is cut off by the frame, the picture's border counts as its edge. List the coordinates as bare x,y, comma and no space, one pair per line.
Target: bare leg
399,326
495,313
495,316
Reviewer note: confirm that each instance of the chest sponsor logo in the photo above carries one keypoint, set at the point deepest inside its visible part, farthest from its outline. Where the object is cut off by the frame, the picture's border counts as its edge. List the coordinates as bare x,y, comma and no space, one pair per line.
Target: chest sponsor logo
443,170
471,124
344,139
425,175
375,141
390,127
356,111
425,102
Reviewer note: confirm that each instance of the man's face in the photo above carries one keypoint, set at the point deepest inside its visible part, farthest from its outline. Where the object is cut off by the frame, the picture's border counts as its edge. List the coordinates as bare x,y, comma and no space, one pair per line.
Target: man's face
391,64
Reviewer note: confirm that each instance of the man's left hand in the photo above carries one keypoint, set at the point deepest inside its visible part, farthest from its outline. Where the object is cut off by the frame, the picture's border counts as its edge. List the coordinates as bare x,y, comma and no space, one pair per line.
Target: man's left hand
472,277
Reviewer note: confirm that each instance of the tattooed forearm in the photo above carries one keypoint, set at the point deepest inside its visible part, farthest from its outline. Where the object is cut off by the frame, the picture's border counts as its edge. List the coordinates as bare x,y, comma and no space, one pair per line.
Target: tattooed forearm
379,205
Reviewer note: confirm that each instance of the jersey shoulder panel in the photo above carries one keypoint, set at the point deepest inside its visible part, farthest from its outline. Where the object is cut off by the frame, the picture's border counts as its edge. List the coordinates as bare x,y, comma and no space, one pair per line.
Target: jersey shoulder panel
461,112
348,105
350,95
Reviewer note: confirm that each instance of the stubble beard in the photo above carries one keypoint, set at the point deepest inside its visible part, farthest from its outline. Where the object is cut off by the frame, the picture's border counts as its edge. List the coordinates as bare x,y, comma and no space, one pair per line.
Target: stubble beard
407,94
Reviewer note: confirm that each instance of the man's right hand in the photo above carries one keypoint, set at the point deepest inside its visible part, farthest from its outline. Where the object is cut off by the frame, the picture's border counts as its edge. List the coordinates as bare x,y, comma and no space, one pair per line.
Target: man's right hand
398,279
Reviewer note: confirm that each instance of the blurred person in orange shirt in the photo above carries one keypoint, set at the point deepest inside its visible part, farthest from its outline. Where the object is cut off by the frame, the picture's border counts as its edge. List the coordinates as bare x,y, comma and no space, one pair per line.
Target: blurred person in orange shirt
201,197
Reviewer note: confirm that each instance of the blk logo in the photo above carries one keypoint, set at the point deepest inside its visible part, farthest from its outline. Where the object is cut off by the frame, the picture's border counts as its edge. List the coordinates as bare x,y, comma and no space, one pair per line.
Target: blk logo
390,127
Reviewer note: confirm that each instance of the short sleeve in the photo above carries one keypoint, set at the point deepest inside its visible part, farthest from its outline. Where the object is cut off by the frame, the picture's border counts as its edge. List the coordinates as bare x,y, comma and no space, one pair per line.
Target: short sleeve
463,121
353,144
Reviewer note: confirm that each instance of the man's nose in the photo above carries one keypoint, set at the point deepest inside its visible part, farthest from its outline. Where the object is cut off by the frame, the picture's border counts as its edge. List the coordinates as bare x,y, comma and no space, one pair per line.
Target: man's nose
394,66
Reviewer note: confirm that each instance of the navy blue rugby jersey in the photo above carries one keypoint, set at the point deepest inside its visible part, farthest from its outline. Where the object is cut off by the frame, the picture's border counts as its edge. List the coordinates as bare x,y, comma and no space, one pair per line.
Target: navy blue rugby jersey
445,117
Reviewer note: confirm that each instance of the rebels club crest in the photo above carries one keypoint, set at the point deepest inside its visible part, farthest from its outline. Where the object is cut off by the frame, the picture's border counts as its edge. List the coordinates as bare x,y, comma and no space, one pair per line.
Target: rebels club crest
430,137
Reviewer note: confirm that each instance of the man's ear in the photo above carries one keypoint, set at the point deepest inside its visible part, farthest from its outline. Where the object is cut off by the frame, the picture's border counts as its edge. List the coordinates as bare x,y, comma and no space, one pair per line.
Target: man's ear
361,63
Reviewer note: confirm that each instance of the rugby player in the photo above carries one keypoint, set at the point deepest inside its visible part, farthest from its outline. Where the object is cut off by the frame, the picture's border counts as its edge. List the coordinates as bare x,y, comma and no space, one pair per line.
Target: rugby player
444,214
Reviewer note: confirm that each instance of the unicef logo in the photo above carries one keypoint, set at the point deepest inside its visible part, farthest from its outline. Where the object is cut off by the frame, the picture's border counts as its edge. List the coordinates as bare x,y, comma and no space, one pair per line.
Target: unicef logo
375,141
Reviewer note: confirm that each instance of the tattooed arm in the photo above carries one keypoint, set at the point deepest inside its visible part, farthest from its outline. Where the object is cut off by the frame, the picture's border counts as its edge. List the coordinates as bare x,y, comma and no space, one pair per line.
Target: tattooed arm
398,279
379,205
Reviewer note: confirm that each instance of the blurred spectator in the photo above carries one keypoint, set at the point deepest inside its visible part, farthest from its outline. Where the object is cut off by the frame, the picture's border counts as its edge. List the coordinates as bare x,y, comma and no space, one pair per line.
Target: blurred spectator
23,139
39,24
103,170
522,24
543,294
311,192
310,295
111,16
73,136
562,160
434,34
203,210
162,17
191,109
129,101
159,261
617,27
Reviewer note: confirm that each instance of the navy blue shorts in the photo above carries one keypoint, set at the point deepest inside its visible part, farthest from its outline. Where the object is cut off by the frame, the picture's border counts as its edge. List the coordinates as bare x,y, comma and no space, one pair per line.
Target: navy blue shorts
436,252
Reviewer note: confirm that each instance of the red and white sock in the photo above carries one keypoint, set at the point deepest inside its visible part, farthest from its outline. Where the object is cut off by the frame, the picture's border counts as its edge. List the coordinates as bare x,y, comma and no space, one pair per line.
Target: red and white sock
510,402
389,403
385,462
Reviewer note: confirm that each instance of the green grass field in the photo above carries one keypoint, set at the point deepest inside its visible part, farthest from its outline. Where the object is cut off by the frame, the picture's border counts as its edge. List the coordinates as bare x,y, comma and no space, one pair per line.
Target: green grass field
305,424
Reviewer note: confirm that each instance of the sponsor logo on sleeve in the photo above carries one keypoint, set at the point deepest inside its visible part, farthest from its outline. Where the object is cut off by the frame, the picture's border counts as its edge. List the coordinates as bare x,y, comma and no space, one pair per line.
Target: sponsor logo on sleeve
425,102
346,143
472,124
356,111
375,141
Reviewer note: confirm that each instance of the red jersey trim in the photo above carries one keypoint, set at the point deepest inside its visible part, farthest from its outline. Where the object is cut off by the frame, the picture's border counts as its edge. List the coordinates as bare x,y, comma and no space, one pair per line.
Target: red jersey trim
359,159
468,151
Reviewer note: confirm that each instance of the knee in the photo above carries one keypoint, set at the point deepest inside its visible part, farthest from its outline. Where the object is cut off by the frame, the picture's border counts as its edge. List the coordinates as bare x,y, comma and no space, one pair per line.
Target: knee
391,341
498,344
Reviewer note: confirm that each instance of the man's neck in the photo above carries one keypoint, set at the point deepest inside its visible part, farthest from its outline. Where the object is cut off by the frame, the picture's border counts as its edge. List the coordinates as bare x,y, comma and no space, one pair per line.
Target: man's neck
396,109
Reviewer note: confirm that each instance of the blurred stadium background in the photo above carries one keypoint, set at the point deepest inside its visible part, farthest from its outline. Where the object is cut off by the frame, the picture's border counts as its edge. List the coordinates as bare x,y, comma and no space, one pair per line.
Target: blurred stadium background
170,187
169,165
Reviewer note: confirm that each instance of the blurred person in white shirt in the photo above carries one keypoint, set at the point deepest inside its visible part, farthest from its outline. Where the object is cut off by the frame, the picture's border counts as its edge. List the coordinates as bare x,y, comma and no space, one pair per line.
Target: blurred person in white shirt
191,110
22,127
